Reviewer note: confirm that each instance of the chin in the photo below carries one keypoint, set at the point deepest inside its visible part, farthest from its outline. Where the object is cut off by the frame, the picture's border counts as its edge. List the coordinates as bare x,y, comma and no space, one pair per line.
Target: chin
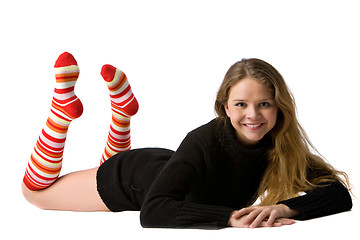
253,140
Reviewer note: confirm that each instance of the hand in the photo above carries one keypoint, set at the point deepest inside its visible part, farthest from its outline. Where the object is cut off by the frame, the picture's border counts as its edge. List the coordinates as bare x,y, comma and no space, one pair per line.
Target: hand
267,216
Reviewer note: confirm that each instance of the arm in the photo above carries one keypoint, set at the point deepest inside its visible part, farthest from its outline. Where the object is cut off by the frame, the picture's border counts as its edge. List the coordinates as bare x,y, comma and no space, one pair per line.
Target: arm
322,201
165,204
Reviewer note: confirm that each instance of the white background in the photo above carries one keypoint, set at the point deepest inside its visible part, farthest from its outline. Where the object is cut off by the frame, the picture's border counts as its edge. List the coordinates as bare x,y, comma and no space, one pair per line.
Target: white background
175,54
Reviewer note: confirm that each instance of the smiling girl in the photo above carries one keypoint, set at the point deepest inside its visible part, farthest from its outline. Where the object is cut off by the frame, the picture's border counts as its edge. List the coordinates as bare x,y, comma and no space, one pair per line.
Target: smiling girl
254,148
252,110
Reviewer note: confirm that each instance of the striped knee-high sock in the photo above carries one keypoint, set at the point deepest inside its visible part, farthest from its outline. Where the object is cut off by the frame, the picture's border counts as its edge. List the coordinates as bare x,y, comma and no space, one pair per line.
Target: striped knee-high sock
46,159
123,105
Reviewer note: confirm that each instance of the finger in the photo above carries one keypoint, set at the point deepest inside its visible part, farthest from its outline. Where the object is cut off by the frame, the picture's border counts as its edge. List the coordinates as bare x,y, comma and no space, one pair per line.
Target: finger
276,224
261,224
264,224
285,221
242,212
259,219
271,220
254,214
279,221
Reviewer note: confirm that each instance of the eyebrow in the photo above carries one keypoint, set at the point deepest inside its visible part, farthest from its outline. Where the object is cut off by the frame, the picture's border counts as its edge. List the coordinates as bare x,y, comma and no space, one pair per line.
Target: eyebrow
262,100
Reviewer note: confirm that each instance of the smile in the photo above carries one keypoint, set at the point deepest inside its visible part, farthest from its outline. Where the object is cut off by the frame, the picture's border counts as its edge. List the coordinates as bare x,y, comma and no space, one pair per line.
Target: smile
253,126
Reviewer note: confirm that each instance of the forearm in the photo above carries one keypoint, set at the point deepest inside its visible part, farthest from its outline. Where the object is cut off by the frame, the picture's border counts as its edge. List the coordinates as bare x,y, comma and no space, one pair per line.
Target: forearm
321,202
166,212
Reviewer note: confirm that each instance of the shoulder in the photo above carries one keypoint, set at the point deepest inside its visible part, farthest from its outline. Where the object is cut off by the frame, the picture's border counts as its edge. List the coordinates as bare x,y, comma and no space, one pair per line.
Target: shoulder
200,141
207,131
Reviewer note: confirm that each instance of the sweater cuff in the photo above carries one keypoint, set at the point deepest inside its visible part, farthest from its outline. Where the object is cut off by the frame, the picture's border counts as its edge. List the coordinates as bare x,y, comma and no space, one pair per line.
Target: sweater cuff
320,202
192,215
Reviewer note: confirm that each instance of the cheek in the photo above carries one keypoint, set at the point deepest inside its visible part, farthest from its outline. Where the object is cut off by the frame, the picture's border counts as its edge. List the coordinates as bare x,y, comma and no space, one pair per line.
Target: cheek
272,117
234,114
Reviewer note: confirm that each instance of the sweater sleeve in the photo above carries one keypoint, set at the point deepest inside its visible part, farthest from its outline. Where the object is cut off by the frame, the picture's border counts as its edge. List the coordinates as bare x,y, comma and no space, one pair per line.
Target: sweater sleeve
165,204
331,199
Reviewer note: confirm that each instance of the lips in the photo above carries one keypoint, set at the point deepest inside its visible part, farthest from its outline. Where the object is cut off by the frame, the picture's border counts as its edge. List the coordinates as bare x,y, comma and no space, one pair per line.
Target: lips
252,125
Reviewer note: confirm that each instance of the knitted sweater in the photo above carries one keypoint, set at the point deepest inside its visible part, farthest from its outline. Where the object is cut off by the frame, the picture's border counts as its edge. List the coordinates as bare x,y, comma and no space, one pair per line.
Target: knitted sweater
212,174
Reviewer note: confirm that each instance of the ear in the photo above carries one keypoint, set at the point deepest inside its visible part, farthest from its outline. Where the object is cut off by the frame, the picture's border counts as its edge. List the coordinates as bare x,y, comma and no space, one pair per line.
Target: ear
226,107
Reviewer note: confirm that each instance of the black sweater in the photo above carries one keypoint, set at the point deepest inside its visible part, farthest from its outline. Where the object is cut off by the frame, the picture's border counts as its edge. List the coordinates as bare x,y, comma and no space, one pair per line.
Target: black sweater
212,174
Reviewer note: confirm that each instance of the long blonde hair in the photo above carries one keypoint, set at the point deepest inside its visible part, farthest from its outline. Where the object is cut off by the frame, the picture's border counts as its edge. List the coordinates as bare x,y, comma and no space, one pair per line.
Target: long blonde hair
292,167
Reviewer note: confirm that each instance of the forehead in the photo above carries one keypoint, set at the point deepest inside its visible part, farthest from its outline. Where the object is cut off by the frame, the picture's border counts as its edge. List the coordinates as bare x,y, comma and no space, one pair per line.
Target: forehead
249,88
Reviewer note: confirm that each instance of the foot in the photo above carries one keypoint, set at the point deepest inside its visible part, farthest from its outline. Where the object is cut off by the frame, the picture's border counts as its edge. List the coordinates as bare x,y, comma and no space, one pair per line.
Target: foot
65,102
122,98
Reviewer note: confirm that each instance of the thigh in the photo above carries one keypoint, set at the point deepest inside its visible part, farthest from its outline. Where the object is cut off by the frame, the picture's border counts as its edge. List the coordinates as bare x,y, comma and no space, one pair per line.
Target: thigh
75,191
124,179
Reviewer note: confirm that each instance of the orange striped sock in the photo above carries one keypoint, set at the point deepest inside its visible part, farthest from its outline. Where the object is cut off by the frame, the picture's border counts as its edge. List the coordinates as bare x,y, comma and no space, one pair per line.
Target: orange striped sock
46,159
124,105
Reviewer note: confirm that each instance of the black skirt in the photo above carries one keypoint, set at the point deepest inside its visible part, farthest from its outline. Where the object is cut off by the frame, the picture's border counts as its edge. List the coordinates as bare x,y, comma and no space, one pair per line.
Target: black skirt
124,179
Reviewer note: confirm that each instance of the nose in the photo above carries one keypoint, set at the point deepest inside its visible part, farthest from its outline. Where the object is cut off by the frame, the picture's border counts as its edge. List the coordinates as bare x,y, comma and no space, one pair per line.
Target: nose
252,112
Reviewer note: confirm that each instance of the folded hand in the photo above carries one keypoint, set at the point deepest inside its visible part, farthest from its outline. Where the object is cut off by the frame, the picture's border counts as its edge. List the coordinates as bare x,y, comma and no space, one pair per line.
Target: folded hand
266,216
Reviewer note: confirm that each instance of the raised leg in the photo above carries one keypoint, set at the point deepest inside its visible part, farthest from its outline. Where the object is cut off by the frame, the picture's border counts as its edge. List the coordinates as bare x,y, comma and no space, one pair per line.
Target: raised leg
123,105
46,160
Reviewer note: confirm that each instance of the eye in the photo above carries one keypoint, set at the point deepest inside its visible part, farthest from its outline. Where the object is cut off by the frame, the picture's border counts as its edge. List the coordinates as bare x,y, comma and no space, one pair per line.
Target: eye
240,104
265,104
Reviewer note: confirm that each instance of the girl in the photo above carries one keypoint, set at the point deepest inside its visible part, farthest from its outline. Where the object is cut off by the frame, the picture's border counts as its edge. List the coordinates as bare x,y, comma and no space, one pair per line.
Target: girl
254,148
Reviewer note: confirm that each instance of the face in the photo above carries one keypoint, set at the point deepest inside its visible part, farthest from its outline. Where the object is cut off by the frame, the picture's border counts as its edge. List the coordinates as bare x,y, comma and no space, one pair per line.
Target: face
252,110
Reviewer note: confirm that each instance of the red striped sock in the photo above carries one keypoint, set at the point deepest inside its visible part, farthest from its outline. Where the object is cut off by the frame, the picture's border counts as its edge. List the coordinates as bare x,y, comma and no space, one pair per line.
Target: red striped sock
124,105
46,160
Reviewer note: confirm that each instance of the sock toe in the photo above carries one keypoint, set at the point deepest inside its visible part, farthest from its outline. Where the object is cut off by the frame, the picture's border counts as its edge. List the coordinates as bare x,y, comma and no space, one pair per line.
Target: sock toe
65,59
108,72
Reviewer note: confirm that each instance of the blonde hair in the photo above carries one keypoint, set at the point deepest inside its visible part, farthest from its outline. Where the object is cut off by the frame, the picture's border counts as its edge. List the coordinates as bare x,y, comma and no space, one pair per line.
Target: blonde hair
292,167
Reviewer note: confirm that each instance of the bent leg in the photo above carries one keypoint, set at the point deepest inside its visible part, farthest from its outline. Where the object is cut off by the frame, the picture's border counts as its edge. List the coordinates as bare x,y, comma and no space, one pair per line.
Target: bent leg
75,191
123,105
46,159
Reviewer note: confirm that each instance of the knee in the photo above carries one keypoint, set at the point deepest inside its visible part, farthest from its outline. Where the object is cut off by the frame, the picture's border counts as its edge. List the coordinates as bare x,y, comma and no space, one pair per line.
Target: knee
30,196
27,193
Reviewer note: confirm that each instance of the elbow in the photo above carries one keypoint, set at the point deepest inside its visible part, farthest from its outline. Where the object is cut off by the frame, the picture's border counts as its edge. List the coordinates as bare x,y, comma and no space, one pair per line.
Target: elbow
145,219
144,222
158,213
344,197
155,216
348,202
146,213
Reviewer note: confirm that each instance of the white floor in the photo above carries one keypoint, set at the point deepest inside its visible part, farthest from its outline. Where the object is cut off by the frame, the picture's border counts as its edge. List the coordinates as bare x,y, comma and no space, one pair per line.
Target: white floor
26,221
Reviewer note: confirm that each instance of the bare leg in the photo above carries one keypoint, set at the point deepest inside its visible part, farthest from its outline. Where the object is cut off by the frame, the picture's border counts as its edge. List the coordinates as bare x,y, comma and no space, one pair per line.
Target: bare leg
75,191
